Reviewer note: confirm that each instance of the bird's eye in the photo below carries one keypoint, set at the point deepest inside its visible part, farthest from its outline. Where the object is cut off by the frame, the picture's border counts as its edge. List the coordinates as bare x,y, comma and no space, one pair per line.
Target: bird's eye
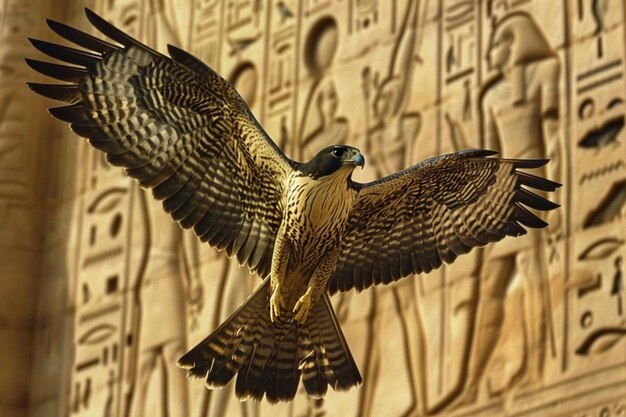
338,152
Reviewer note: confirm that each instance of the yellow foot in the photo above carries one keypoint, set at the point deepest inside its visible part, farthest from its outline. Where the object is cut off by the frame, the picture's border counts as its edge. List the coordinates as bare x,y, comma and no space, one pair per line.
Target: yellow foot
302,307
276,304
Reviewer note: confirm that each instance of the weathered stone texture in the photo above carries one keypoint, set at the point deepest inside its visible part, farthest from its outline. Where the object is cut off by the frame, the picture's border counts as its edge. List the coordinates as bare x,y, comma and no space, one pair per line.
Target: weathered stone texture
115,292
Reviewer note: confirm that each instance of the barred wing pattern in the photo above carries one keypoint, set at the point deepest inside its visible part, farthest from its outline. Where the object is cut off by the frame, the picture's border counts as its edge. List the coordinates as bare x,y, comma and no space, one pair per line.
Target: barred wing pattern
417,219
178,128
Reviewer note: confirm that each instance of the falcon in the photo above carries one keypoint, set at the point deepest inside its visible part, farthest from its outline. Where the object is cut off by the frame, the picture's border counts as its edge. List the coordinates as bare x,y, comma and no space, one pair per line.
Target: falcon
306,228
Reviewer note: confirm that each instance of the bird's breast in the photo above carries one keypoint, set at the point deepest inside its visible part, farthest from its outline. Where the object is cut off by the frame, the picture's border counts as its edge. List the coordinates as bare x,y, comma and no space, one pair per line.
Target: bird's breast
315,207
314,218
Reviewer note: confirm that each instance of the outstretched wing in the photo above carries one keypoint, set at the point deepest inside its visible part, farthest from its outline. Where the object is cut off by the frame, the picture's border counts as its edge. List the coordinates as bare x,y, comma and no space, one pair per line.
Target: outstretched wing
178,128
416,219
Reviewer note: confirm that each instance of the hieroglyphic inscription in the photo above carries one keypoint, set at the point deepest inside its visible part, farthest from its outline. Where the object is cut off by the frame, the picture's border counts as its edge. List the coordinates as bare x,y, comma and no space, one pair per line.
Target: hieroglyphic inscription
509,329
205,32
99,335
598,94
597,332
101,374
280,79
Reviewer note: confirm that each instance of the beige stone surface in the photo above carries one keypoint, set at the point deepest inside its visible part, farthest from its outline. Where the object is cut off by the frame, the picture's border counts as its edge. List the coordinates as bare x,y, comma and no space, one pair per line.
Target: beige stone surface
100,292
23,135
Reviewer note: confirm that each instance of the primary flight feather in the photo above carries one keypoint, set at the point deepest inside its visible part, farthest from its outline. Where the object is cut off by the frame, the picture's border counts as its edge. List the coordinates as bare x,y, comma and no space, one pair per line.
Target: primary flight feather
179,128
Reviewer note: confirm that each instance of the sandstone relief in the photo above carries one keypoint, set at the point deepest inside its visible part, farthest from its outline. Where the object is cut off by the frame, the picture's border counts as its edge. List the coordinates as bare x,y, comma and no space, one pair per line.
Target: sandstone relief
531,326
522,100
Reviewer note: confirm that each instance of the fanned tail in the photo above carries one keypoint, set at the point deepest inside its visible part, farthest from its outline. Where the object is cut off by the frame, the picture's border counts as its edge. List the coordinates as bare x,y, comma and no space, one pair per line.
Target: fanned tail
269,358
325,358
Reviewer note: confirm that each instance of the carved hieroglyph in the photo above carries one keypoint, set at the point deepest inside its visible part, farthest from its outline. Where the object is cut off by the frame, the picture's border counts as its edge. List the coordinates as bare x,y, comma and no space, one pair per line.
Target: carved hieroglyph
532,326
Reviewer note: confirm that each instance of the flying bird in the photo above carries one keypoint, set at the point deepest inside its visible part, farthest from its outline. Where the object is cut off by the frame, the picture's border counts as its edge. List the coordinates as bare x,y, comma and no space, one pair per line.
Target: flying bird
306,228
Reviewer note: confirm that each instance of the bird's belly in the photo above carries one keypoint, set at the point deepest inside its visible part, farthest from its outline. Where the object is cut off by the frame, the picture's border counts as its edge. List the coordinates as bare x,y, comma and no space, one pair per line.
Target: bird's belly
293,287
306,254
315,219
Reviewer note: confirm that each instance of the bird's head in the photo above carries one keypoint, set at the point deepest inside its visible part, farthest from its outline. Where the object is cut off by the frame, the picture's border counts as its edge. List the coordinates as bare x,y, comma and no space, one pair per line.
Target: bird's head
333,159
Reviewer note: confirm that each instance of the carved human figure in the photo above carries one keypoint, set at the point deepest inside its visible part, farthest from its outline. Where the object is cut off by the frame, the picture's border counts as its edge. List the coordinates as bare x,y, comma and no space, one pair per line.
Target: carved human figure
395,129
520,108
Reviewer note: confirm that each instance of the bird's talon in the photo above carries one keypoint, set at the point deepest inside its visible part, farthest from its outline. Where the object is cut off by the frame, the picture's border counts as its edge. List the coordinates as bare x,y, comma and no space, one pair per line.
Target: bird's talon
302,307
276,305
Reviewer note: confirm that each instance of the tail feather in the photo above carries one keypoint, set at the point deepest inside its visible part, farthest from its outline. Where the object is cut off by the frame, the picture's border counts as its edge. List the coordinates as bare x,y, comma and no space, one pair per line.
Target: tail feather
312,363
334,362
251,378
221,355
270,358
283,382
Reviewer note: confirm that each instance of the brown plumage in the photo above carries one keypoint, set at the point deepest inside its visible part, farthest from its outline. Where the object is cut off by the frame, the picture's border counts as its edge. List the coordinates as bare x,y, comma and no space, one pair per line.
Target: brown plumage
180,129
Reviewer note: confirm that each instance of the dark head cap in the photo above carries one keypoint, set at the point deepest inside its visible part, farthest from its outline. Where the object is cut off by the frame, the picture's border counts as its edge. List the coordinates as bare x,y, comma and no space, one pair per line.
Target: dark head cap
329,160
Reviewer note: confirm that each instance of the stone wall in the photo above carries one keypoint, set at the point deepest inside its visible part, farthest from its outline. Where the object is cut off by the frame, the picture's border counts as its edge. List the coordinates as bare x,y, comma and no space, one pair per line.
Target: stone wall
26,143
534,326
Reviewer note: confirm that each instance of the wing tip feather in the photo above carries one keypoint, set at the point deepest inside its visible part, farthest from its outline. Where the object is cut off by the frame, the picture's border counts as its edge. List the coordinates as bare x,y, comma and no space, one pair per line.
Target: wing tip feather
107,28
59,72
477,153
74,113
62,92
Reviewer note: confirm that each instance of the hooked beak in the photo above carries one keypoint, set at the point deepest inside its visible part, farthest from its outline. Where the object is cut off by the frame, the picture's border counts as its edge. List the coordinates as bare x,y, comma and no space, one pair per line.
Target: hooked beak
359,160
